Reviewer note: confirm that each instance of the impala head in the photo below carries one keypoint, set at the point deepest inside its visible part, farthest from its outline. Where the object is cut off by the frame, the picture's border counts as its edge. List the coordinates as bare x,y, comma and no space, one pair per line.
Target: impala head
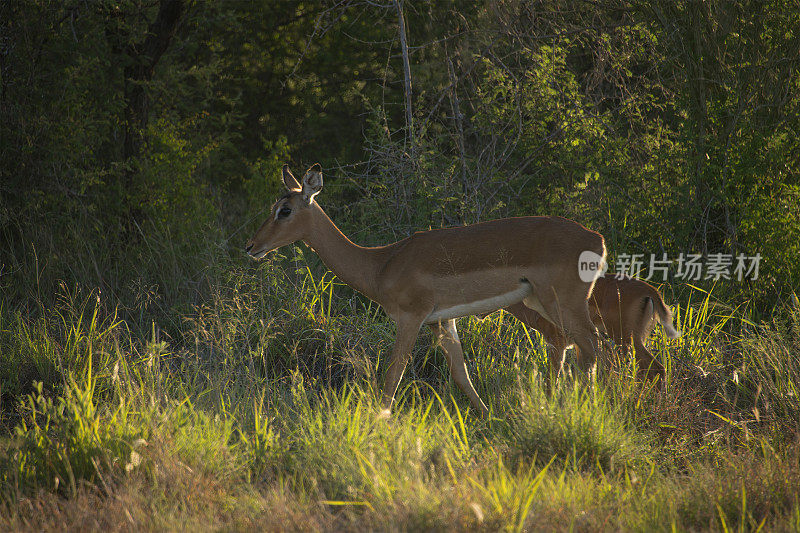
289,218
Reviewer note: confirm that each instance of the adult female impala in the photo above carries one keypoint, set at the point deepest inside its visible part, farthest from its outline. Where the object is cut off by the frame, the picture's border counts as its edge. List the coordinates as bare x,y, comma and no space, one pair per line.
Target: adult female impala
434,277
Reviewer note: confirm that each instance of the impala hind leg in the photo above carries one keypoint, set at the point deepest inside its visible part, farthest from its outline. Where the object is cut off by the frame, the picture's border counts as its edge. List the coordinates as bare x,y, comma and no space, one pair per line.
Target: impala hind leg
553,336
572,318
407,331
649,366
587,340
447,335
574,321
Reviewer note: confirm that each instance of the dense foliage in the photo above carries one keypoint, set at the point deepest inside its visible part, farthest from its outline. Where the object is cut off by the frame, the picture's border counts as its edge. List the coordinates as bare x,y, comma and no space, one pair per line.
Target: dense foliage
668,126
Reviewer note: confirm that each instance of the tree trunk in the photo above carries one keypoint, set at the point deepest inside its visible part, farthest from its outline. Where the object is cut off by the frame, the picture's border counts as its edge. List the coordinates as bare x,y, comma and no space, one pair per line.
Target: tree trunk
144,57
406,77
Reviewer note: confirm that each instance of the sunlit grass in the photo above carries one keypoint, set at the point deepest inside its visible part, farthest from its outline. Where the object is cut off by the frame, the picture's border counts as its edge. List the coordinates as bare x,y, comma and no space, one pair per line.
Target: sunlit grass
262,414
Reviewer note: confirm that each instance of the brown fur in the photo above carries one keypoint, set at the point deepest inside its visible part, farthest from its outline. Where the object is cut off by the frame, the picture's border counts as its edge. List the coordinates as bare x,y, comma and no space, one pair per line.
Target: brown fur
626,309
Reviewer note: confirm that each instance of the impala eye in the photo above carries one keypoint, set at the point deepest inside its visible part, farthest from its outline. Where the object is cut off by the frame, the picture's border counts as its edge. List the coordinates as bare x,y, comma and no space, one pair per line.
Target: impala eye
284,211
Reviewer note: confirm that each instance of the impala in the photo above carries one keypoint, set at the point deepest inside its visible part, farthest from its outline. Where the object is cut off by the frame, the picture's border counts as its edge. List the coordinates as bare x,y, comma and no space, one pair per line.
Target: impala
433,277
627,309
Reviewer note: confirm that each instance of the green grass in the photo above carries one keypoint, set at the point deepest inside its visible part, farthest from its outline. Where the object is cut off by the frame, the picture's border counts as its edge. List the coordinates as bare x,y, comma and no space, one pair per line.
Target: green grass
256,408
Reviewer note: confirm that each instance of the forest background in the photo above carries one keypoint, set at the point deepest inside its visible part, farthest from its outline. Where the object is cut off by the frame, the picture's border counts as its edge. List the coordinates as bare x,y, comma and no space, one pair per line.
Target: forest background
668,127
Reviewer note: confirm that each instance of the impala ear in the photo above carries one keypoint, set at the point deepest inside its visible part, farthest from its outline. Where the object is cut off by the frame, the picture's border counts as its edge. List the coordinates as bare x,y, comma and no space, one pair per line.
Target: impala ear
312,182
289,180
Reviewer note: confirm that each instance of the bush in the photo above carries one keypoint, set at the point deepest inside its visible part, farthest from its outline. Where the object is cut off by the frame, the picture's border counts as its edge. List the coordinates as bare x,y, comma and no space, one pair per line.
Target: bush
578,426
61,442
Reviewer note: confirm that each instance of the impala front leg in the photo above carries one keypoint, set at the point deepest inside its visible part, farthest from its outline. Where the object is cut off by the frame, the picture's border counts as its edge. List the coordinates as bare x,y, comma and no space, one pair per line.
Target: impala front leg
407,331
447,335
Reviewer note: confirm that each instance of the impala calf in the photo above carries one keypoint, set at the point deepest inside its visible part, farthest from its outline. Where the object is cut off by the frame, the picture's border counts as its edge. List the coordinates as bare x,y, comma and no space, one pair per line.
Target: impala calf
433,277
627,309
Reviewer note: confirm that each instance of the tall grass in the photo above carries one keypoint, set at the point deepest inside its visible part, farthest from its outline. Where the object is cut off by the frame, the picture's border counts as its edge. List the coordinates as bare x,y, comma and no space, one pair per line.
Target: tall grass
576,425
255,407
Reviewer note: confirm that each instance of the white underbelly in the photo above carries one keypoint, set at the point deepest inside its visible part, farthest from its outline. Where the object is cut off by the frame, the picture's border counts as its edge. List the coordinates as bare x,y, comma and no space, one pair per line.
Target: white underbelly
481,307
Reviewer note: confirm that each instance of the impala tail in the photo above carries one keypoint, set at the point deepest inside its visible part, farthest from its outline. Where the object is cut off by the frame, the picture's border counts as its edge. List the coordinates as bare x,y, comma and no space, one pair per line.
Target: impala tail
657,307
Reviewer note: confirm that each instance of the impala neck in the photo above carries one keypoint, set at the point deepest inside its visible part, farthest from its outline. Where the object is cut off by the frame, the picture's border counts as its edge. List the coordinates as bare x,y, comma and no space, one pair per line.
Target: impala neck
355,265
